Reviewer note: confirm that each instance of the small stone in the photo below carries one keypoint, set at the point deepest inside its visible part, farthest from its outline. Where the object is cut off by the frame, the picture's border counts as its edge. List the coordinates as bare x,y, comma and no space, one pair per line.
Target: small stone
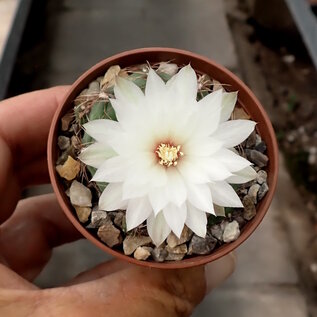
257,158
258,139
109,234
168,68
262,191
159,254
110,77
66,120
64,155
216,231
141,253
237,215
249,208
231,232
201,246
83,213
98,218
250,143
119,219
253,192
177,253
131,243
63,142
173,241
69,169
261,177
75,128
76,144
94,88
243,191
261,147
80,195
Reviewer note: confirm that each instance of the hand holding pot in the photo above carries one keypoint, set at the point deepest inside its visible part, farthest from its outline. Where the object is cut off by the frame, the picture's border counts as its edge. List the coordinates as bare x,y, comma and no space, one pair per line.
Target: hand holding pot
31,228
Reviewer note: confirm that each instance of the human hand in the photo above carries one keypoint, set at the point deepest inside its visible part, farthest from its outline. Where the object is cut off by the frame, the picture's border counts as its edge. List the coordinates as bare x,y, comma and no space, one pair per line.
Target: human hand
31,228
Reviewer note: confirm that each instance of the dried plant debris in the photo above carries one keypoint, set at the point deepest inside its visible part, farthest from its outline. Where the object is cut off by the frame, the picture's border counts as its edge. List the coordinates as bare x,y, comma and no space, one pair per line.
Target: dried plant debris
93,103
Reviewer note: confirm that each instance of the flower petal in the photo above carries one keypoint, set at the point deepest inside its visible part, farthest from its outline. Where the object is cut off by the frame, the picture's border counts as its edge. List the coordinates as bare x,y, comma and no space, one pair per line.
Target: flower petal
231,160
155,87
215,170
111,198
245,175
233,132
199,196
102,129
175,217
128,92
196,220
229,100
175,187
95,154
112,170
207,118
132,190
158,198
224,195
139,209
183,84
157,228
202,147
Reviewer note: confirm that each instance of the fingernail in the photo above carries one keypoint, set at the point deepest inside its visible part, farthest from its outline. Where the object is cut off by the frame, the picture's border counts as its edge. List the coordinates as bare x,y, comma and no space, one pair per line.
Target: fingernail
218,271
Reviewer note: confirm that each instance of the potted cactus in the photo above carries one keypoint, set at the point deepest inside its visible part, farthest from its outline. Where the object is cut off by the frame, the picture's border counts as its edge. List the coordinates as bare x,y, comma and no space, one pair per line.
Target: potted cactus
163,158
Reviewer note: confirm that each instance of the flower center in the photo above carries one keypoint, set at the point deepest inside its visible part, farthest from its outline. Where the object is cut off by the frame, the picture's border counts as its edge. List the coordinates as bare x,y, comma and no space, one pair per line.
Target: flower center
168,154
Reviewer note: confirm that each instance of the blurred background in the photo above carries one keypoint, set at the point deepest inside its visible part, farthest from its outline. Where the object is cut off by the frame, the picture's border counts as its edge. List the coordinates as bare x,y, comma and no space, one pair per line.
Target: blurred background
271,45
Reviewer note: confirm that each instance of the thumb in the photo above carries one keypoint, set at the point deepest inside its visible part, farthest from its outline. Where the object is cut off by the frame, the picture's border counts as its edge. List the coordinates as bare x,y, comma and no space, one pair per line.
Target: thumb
136,291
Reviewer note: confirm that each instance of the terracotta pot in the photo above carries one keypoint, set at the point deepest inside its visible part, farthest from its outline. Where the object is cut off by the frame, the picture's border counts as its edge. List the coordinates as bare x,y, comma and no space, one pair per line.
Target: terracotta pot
246,99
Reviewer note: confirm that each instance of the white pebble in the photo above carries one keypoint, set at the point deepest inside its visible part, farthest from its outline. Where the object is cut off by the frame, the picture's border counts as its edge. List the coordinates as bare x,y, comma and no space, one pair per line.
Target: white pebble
80,195
231,232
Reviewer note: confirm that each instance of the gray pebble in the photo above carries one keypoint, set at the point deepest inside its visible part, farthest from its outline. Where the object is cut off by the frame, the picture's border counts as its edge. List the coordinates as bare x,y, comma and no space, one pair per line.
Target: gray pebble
63,142
202,246
237,215
263,190
258,139
119,219
216,231
249,208
257,158
177,253
261,147
98,218
253,192
261,177
94,88
159,254
250,142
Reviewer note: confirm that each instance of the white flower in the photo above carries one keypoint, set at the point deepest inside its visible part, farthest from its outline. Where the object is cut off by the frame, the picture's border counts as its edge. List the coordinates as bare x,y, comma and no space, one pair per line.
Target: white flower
169,157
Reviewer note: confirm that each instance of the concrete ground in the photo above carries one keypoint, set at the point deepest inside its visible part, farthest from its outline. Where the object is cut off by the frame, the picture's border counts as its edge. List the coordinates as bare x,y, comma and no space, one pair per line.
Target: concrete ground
7,12
82,33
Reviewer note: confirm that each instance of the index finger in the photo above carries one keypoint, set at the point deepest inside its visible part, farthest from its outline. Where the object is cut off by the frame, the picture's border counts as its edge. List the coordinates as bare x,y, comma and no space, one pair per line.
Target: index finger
25,122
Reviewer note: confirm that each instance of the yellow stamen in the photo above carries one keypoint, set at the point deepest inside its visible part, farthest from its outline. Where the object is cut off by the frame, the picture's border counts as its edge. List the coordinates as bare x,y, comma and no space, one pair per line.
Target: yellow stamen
168,154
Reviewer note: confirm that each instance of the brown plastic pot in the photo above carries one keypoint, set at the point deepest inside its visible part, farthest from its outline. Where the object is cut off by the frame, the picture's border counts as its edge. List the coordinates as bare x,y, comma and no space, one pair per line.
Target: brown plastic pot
246,99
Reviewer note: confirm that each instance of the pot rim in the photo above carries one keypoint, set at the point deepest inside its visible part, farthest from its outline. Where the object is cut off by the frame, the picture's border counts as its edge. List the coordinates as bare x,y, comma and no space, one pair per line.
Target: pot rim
262,207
